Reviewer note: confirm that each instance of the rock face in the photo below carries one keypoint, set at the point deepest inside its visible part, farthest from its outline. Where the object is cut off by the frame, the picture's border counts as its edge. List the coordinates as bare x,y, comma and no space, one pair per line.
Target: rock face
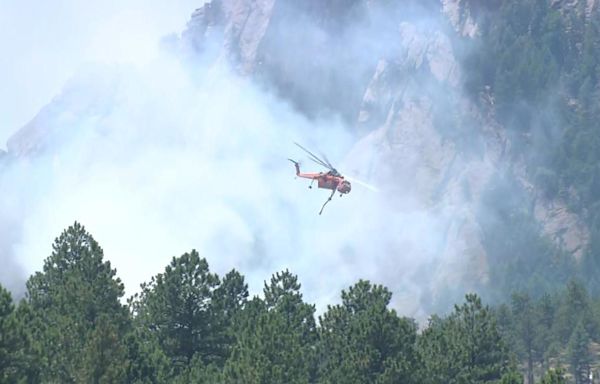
307,51
562,226
405,101
460,17
84,99
241,24
405,117
395,79
399,113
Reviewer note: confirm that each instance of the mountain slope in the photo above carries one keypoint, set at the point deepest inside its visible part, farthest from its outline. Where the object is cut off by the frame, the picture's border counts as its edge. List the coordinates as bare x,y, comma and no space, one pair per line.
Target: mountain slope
400,85
461,203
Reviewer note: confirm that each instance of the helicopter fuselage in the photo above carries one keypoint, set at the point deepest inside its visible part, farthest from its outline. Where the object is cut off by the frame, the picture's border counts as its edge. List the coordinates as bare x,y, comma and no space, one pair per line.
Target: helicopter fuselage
328,181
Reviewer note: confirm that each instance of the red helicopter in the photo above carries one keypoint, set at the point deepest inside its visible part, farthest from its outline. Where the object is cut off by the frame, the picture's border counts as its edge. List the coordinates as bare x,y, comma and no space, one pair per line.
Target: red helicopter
332,179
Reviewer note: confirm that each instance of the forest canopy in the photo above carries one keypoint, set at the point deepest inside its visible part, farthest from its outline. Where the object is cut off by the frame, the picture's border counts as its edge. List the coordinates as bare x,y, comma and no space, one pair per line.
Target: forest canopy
188,324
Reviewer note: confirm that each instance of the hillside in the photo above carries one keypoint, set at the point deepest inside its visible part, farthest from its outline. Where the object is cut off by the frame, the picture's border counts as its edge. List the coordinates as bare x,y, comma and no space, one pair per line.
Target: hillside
483,146
477,123
474,120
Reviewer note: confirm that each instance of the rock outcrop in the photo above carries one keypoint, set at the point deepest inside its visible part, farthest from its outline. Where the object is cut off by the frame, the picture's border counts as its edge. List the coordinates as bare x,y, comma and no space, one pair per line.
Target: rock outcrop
240,26
405,101
460,16
84,100
406,119
317,54
396,81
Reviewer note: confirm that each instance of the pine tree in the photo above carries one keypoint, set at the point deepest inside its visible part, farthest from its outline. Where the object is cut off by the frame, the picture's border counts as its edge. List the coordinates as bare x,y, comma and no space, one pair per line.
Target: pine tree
282,296
175,310
147,362
465,347
545,310
199,373
579,354
103,347
71,301
512,377
228,301
362,341
525,330
275,338
554,376
574,309
11,342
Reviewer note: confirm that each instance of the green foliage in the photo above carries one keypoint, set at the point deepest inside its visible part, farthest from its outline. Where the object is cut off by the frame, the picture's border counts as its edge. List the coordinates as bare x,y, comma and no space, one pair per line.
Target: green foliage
176,310
539,60
554,376
465,347
579,354
520,257
283,296
101,353
29,352
524,324
520,58
227,303
512,377
575,309
199,373
12,359
72,328
147,362
544,338
77,320
276,337
362,341
554,328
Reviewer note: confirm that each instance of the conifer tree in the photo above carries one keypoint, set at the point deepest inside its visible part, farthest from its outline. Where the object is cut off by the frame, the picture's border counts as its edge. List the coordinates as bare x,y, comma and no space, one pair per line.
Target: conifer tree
579,354
465,347
363,341
11,343
554,376
228,301
74,302
175,309
525,330
275,338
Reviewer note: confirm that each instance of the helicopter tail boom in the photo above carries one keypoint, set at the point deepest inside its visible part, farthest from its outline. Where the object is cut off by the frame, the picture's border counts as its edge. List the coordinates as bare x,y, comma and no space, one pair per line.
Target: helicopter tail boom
297,165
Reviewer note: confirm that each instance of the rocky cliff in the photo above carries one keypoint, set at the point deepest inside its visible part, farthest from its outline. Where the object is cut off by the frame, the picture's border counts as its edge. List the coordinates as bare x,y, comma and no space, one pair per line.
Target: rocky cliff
393,75
404,100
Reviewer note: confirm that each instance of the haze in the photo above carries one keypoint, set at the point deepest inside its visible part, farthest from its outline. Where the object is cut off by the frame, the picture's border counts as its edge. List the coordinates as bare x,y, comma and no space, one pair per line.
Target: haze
156,156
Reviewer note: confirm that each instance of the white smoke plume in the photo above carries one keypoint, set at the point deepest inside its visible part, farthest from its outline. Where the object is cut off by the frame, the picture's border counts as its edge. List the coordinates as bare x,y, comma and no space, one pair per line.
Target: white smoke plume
160,157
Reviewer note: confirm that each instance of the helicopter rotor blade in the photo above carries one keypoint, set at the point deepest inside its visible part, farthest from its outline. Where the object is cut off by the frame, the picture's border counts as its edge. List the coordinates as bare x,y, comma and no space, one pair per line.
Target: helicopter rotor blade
315,158
328,162
321,164
319,161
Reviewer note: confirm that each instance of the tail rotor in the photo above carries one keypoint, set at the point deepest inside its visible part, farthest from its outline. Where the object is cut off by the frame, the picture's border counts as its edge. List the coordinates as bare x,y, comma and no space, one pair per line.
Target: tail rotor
297,165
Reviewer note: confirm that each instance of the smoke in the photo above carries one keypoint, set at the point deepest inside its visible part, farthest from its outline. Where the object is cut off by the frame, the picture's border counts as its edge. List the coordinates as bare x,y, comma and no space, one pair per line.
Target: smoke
45,43
160,157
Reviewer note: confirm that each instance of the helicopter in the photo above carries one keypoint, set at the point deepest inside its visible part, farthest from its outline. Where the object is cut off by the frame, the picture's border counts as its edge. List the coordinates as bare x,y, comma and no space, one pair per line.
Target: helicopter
331,179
